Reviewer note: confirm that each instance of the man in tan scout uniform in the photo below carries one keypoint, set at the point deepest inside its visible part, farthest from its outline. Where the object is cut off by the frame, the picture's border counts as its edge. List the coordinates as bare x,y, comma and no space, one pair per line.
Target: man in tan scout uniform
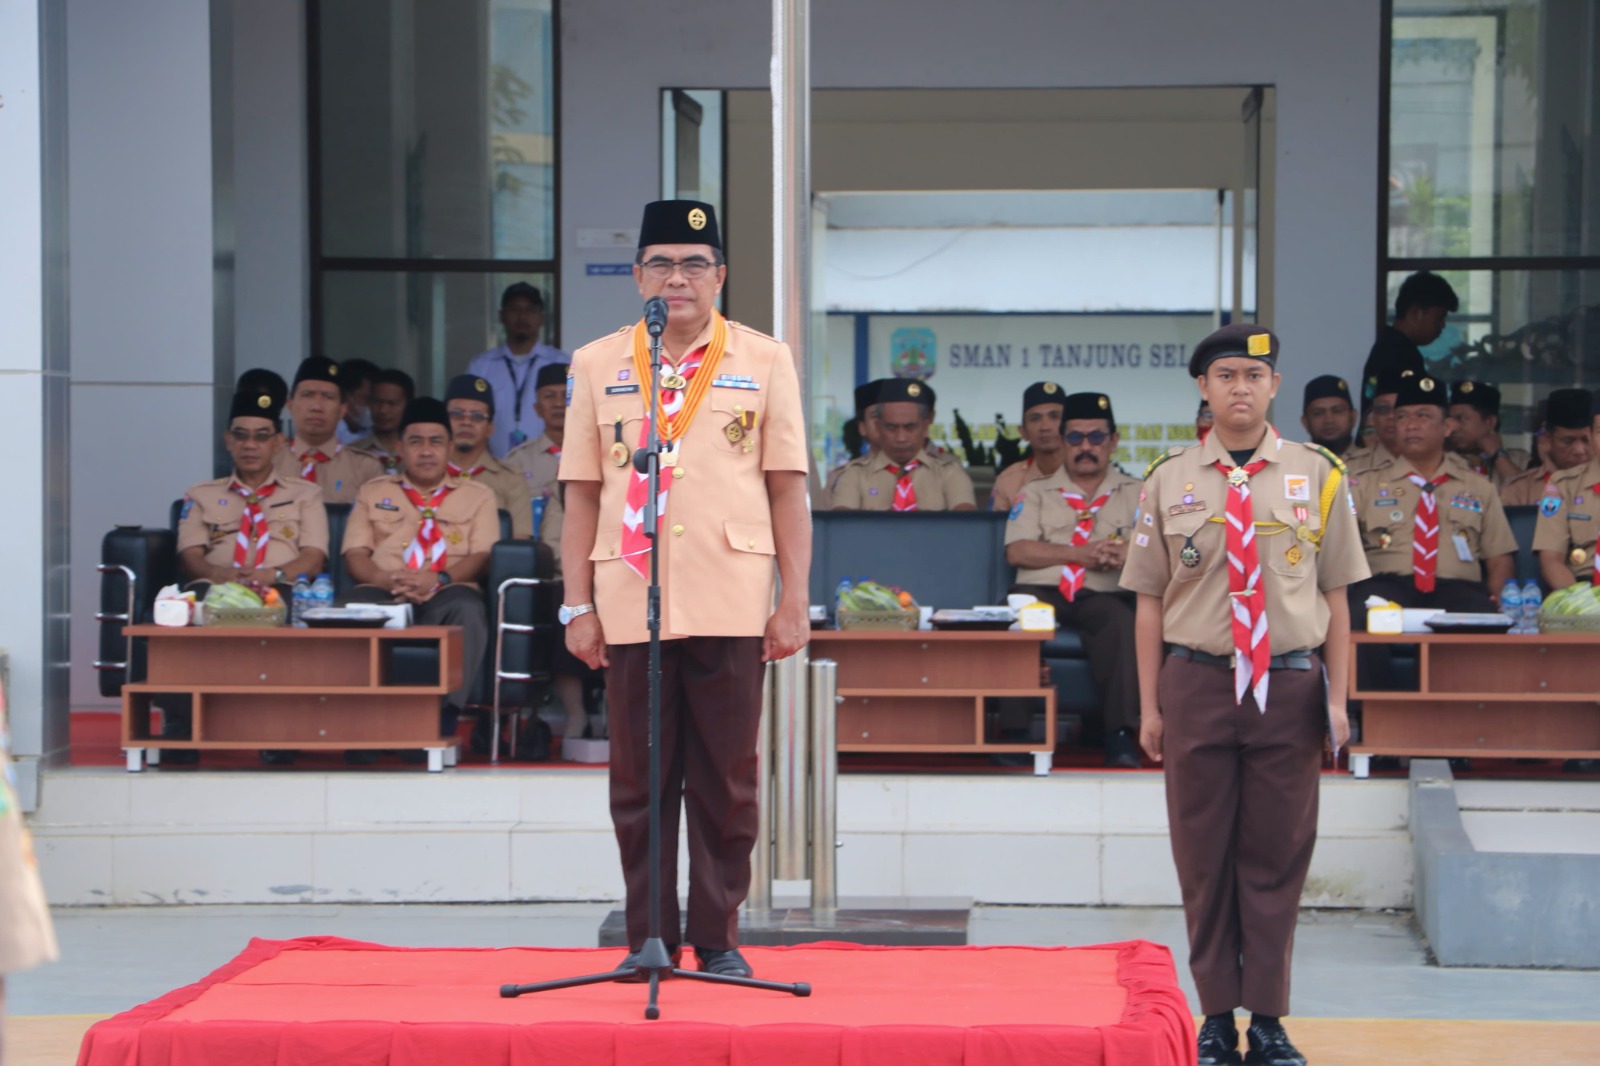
1568,428
1569,509
391,391
255,524
470,405
539,459
316,403
1475,415
423,537
734,481
1384,443
1068,537
904,475
1455,558
1041,430
1244,547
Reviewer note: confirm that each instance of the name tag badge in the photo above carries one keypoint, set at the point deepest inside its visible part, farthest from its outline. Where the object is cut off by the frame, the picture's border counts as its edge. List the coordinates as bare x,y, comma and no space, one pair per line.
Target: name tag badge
616,390
1463,549
1297,487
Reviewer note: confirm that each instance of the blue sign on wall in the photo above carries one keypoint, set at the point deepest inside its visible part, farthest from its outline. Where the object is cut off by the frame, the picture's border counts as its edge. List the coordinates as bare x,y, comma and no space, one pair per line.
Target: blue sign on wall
608,270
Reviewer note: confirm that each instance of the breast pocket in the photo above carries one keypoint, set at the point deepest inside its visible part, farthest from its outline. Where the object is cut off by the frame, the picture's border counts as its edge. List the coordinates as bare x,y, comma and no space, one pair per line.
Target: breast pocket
1288,551
736,416
1194,543
1465,522
619,421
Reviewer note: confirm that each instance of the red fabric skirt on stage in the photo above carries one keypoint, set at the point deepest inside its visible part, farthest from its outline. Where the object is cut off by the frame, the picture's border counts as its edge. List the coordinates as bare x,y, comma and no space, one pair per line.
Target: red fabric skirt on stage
323,1000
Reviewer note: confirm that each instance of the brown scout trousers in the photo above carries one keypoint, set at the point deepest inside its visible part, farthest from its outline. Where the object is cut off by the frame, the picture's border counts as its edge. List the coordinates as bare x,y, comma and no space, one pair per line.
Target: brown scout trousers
710,712
1242,791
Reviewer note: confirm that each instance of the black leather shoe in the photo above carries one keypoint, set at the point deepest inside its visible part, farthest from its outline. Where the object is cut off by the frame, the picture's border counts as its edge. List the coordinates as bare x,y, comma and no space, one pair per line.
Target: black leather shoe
1269,1046
1122,750
725,962
1219,1044
630,961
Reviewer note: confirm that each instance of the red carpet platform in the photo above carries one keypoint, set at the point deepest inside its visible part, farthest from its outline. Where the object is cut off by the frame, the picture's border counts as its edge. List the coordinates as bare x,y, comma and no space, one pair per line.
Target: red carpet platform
326,1000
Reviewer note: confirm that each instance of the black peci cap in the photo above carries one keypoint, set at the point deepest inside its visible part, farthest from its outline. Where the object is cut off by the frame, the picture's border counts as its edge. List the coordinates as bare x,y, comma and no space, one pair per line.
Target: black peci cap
521,290
261,380
318,368
865,396
551,374
1391,381
1478,394
905,390
1418,389
1237,340
1041,392
427,411
1326,387
470,387
1569,409
679,222
1082,405
256,405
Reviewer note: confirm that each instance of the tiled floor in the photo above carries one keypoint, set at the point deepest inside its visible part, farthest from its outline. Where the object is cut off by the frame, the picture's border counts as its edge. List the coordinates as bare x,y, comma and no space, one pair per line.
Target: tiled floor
1364,989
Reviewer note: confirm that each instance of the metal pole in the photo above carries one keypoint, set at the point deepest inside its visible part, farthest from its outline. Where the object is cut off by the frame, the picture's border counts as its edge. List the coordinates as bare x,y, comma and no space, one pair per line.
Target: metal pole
790,751
791,178
824,787
759,898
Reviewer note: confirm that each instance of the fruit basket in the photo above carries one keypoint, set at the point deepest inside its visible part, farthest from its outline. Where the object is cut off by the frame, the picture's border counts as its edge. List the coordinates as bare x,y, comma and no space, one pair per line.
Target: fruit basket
233,604
881,619
868,605
262,617
1569,623
1574,609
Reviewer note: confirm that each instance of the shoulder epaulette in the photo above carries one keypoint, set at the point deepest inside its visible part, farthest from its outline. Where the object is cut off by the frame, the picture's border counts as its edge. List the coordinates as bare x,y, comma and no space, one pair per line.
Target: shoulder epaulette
1338,463
1171,452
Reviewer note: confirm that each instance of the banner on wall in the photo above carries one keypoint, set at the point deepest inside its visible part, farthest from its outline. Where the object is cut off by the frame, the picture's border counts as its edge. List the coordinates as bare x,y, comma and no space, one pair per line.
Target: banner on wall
980,365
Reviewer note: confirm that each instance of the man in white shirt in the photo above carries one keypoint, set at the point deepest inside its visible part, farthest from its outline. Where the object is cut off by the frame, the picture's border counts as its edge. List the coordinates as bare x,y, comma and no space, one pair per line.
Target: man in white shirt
512,368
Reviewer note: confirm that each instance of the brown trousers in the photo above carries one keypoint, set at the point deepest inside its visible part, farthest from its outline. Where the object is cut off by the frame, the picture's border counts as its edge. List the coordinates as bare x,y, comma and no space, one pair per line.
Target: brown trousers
1105,622
710,712
1242,790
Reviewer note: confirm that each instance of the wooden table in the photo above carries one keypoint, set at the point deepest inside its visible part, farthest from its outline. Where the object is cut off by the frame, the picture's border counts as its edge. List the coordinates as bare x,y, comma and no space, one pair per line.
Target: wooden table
910,691
1533,696
306,689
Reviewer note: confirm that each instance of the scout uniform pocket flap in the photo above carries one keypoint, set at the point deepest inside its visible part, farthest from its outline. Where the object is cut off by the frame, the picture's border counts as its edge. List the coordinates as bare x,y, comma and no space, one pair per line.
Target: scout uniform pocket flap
753,537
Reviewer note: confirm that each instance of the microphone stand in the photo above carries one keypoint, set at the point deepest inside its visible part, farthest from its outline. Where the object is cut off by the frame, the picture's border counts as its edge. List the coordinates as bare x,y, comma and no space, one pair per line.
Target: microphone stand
654,962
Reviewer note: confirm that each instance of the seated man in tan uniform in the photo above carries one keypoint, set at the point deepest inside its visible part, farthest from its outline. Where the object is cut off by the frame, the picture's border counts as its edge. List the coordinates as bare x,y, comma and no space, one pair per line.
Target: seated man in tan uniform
423,537
316,403
539,459
904,475
1068,537
1475,410
391,391
1041,430
1568,429
860,436
469,402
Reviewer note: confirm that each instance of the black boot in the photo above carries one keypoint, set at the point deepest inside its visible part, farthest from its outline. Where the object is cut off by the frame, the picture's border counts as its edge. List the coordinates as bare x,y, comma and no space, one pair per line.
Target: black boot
1219,1041
1269,1046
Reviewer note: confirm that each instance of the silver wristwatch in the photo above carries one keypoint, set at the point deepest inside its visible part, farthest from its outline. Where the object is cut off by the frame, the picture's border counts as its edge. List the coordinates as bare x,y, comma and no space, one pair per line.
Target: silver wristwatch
566,614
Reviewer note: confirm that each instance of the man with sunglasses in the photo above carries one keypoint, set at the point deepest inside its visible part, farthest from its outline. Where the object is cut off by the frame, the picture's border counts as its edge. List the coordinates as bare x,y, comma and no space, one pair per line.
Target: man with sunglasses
512,369
1041,431
904,474
1068,537
469,402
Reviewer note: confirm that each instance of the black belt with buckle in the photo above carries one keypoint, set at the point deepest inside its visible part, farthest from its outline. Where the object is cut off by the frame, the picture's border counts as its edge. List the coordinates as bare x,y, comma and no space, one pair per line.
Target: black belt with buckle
1294,660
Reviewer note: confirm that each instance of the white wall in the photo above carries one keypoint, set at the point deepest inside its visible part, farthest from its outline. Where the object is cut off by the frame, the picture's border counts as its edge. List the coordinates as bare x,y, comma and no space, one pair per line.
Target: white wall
1324,60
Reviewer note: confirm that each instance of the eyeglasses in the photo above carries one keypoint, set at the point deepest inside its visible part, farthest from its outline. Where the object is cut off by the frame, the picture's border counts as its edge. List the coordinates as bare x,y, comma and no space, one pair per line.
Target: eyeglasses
1095,439
693,269
458,415
244,436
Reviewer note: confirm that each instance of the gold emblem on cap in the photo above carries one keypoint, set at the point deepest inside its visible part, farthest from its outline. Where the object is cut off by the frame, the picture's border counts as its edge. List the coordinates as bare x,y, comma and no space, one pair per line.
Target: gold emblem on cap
1103,402
1050,387
913,389
697,219
1578,557
263,401
1426,384
1259,344
1342,386
333,370
1408,373
1466,387
481,385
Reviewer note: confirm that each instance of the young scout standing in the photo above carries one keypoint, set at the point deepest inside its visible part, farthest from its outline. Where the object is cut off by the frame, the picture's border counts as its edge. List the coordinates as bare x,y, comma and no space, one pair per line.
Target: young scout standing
1241,553
733,503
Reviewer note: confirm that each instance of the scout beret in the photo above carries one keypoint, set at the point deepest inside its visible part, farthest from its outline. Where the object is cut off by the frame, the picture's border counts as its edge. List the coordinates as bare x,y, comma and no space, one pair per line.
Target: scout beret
1389,381
1569,409
866,395
318,368
471,387
261,380
1089,405
905,390
1326,387
255,405
1419,389
679,222
521,290
551,374
1486,398
425,410
1236,340
1043,392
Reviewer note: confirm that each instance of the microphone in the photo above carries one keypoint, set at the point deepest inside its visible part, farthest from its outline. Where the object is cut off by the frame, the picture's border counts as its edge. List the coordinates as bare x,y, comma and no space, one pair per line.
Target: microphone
655,315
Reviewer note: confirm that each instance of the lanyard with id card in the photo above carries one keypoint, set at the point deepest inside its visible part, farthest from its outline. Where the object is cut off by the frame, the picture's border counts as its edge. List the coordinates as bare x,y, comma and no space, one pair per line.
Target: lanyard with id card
1463,549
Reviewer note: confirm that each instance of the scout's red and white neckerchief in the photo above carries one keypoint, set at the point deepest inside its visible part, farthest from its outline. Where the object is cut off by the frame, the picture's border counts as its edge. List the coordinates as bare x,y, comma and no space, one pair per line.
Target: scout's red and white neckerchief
1072,576
677,408
1252,651
312,459
250,543
457,471
905,492
1425,533
426,550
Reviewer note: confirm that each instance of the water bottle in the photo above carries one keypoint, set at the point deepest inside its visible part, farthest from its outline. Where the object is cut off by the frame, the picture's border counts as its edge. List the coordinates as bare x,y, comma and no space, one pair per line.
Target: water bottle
299,600
1532,604
322,591
539,504
1511,604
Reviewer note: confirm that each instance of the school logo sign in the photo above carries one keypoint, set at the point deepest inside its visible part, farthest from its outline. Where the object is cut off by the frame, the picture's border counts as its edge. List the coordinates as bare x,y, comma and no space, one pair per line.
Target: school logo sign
912,352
